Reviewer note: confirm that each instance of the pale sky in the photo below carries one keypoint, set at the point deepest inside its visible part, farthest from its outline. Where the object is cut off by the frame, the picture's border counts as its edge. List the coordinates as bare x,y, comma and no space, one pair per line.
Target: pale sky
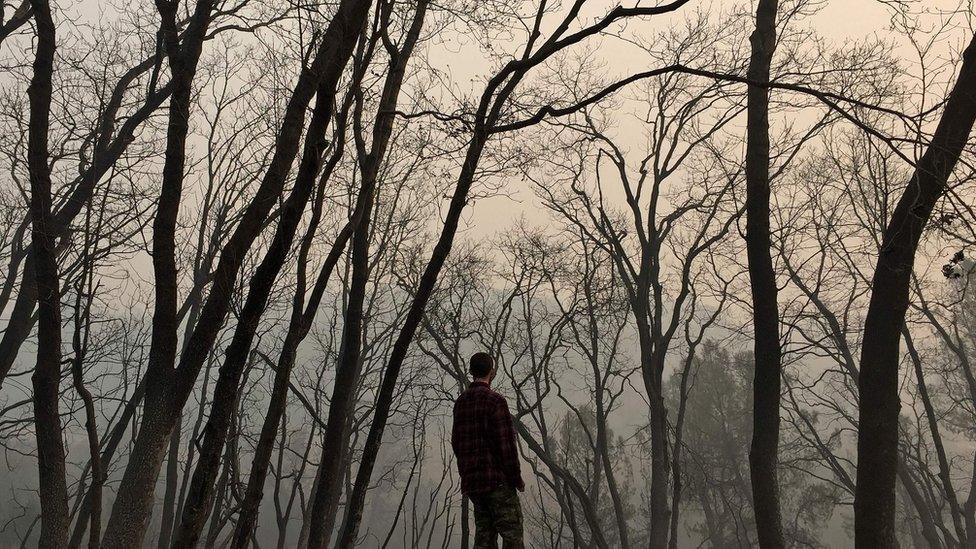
838,22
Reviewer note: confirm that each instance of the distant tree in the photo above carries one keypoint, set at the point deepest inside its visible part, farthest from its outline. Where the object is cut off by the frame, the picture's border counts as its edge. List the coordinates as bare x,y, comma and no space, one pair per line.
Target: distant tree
573,451
717,428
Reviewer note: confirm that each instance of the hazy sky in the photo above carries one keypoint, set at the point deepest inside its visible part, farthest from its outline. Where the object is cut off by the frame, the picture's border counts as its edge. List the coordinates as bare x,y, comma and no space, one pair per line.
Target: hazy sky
838,21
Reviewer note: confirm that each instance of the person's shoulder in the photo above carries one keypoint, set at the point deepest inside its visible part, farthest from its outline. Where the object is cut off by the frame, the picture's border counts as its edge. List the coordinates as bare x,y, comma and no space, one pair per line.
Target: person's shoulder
496,396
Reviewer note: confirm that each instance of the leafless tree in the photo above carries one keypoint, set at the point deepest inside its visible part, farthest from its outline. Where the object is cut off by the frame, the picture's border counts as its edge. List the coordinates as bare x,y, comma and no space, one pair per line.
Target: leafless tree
227,351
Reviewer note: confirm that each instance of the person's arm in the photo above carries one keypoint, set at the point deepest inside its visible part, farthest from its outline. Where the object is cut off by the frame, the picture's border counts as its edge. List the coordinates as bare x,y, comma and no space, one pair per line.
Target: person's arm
508,446
454,431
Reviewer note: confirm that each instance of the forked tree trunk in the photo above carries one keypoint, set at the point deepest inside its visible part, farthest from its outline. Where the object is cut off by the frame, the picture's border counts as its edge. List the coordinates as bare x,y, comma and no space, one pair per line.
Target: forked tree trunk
167,388
131,511
105,152
52,488
336,440
763,454
879,403
200,492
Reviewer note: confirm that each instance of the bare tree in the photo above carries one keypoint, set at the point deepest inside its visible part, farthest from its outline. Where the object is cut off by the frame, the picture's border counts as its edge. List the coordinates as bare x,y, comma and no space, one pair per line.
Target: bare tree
765,313
879,403
47,374
326,495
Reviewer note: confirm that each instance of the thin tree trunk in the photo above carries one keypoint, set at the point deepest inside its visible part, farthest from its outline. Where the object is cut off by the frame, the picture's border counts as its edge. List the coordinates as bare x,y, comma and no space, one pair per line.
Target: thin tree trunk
53,490
932,418
428,280
79,345
336,440
683,389
879,403
930,532
132,509
764,452
88,504
171,387
171,490
228,380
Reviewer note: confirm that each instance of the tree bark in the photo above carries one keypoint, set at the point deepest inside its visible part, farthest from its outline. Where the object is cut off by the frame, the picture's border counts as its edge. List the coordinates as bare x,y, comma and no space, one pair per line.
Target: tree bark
653,371
325,497
169,388
130,516
764,452
879,403
52,489
171,490
229,376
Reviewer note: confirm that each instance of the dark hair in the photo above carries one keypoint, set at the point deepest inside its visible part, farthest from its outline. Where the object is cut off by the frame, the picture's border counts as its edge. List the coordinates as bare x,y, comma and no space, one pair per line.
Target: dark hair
481,364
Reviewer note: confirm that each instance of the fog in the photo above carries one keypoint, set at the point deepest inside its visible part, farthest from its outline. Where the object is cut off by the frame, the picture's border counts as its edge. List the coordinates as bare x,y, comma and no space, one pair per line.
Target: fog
721,253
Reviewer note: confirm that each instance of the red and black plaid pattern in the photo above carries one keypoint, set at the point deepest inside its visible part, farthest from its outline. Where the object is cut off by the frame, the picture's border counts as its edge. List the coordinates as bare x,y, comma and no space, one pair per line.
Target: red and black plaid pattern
483,439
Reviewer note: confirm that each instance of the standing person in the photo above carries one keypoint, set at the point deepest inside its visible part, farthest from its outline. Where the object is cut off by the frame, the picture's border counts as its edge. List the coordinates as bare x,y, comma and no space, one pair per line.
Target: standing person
484,444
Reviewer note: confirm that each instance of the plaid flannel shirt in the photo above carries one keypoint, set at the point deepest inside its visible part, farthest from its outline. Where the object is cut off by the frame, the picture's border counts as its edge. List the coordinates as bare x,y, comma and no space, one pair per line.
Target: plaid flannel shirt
483,439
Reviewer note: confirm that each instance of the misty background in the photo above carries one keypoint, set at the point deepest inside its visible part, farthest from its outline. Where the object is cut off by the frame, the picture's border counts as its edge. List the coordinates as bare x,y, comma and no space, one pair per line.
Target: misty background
599,256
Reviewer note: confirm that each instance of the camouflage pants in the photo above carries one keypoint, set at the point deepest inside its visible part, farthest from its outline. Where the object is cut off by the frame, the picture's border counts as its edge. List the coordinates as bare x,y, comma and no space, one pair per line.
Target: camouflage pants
497,513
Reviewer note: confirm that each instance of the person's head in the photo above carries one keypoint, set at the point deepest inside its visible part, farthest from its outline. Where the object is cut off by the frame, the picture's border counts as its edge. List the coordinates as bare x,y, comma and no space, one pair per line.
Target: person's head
482,367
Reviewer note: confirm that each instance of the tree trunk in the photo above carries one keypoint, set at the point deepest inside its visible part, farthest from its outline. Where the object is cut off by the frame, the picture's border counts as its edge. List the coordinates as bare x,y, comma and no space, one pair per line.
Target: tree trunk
879,404
172,489
336,439
763,455
132,508
170,388
79,343
298,328
229,376
660,465
384,399
52,487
